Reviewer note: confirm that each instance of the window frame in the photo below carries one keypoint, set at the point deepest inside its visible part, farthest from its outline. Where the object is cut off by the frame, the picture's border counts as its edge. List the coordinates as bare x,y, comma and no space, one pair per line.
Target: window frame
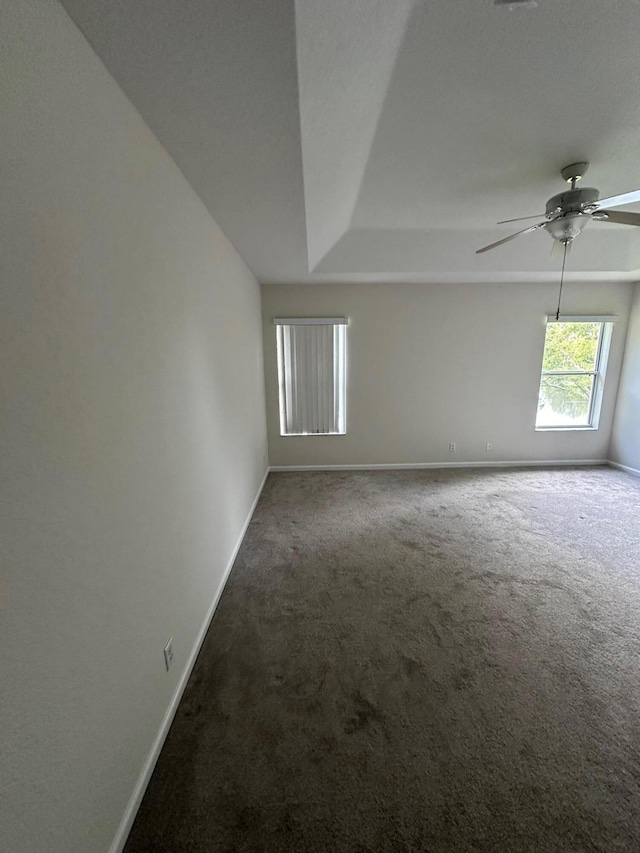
285,368
598,373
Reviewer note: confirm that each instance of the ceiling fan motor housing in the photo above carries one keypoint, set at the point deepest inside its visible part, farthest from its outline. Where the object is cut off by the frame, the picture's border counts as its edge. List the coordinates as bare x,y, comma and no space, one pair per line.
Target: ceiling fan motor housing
569,212
572,201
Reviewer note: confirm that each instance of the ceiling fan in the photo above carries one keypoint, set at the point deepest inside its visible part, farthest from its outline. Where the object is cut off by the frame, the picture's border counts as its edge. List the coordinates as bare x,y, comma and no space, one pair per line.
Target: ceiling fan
568,212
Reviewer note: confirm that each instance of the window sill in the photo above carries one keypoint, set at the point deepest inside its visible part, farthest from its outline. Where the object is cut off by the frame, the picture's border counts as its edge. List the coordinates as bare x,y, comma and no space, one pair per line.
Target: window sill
566,429
310,434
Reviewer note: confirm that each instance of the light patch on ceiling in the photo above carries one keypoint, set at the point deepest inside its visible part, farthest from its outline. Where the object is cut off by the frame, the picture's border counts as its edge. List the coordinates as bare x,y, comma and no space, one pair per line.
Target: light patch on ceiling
346,54
516,4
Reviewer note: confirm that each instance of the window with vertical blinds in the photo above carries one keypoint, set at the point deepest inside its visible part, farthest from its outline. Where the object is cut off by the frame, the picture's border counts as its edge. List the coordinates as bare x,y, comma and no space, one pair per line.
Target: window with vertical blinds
312,375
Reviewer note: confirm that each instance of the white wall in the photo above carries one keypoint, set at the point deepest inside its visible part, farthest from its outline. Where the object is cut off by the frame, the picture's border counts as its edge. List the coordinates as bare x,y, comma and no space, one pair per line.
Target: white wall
433,364
133,439
625,436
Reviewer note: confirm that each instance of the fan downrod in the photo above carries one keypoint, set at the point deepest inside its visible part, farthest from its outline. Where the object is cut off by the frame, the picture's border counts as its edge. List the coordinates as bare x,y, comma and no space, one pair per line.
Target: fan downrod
574,172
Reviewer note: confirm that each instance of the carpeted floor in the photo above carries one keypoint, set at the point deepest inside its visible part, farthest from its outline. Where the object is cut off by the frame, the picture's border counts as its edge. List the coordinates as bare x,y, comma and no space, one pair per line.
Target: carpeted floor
416,661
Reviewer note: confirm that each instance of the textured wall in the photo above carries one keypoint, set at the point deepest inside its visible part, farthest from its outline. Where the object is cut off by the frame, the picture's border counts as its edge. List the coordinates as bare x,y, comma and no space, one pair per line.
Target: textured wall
625,437
133,433
433,364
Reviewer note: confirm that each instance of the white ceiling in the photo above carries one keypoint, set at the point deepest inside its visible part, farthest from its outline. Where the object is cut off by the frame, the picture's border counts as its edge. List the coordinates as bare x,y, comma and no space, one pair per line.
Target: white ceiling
370,140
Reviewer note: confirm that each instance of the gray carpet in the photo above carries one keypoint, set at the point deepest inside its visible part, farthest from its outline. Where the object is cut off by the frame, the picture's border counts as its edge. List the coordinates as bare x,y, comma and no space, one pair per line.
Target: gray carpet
416,661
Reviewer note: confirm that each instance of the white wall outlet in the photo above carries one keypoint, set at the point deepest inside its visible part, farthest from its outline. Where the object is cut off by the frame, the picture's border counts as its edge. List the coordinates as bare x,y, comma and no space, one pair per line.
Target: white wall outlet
168,654
489,446
452,447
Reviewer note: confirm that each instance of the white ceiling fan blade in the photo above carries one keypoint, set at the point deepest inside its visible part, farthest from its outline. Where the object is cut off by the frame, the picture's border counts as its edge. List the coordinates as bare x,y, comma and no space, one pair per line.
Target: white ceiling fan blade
622,217
617,200
510,237
520,219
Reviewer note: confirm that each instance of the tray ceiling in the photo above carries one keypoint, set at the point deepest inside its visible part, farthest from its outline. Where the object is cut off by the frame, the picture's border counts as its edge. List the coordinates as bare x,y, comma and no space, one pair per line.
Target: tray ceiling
362,140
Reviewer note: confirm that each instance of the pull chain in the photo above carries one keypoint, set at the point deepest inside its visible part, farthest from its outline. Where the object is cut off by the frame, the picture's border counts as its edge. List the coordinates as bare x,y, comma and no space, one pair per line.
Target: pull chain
564,260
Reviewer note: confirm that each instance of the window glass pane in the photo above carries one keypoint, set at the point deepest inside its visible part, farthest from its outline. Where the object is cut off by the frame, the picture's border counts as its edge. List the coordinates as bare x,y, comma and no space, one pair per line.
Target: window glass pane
571,346
564,401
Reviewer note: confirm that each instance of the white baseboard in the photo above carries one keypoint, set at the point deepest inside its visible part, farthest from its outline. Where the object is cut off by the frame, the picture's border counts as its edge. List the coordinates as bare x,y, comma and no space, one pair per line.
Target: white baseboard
141,785
621,467
545,463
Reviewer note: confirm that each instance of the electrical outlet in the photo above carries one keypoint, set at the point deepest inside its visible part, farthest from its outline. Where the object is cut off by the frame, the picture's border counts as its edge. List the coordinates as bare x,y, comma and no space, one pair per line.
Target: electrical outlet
168,654
452,447
489,446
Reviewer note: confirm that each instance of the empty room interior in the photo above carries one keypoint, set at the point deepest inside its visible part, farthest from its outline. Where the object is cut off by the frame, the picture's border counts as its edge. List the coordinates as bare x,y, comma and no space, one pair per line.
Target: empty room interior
320,361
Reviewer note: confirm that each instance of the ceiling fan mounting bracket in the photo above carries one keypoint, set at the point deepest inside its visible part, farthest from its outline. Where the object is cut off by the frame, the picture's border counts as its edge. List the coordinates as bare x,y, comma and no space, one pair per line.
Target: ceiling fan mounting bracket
574,172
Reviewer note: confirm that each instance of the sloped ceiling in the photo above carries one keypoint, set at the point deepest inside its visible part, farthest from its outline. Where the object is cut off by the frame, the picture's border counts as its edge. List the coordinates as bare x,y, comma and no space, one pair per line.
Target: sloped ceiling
366,140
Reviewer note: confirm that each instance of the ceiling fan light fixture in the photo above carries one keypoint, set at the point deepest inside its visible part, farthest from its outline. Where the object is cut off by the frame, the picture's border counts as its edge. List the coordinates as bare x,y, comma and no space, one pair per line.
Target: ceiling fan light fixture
566,228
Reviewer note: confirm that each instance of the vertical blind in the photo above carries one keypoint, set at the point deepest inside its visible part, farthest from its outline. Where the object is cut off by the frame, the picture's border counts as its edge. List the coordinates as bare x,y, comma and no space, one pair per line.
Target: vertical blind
312,375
